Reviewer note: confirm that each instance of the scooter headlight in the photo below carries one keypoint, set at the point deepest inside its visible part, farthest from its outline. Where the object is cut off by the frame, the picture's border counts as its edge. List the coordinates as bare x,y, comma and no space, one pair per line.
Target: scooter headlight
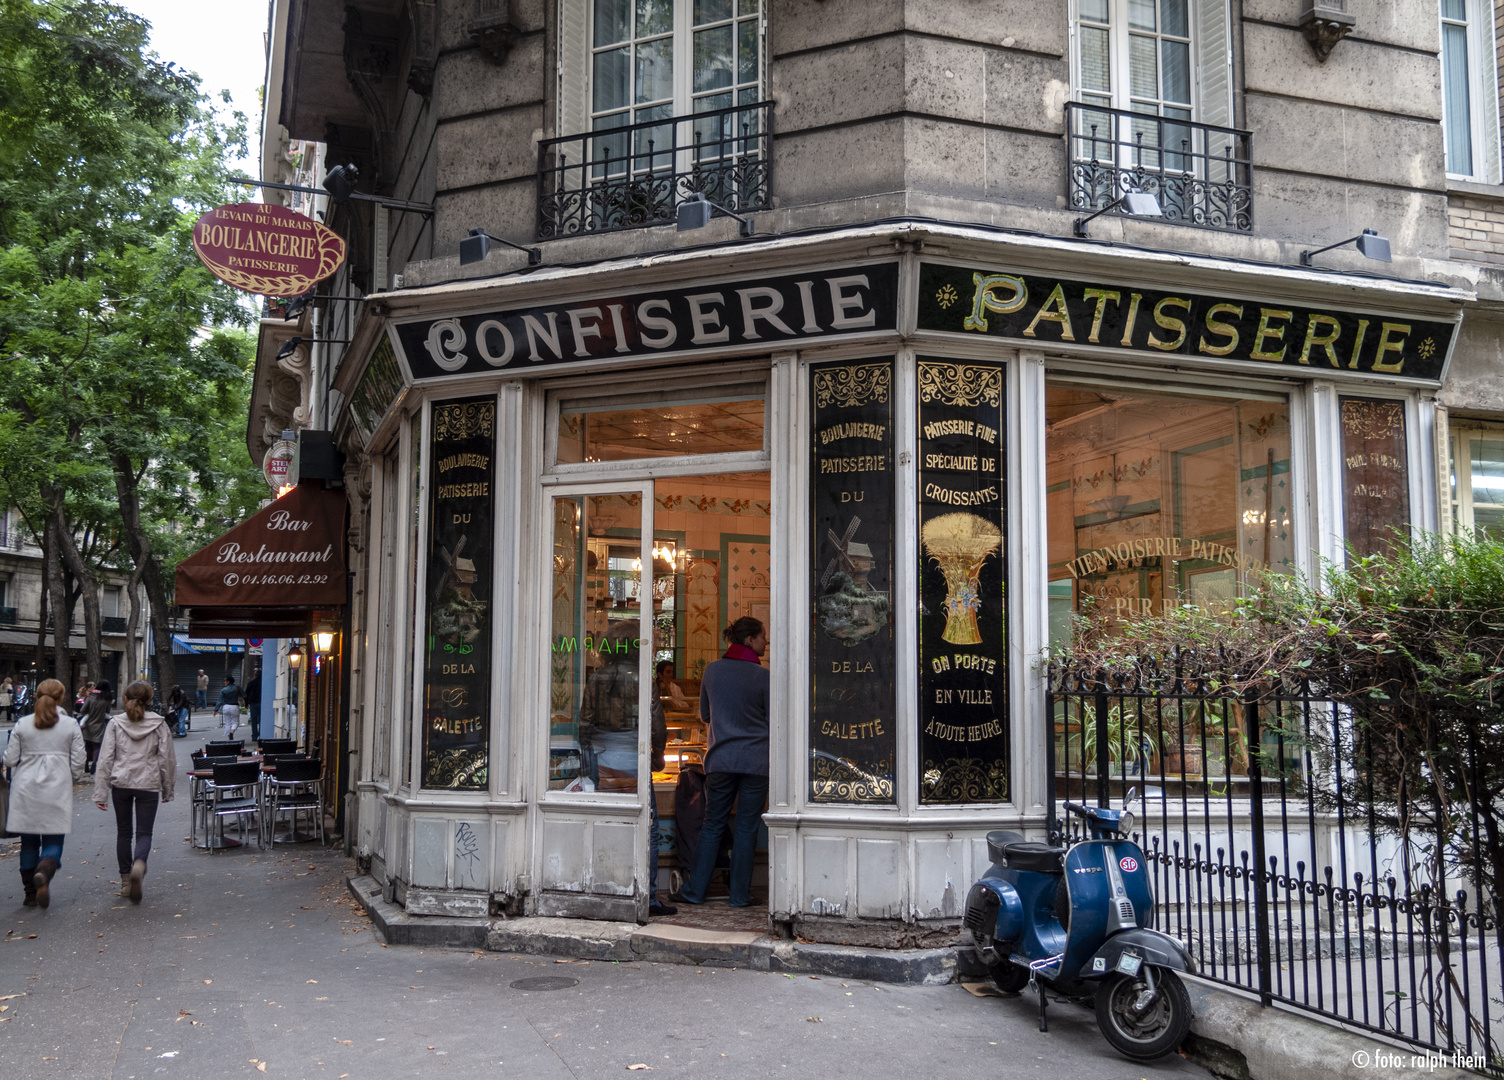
1125,823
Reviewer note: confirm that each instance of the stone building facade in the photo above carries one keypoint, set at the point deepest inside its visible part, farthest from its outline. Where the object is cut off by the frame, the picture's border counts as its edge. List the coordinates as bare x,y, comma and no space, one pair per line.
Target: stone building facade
913,413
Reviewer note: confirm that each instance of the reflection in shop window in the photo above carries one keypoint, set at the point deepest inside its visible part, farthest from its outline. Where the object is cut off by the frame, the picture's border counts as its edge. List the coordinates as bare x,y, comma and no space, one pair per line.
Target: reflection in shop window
1375,474
1487,461
1161,497
702,424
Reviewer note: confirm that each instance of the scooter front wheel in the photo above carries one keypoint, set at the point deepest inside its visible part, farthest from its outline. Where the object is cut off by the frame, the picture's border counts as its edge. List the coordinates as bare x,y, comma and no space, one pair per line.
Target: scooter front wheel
1143,1026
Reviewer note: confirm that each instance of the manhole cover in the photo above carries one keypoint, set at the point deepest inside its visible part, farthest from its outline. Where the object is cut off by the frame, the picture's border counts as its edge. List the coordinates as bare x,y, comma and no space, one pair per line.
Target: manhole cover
545,982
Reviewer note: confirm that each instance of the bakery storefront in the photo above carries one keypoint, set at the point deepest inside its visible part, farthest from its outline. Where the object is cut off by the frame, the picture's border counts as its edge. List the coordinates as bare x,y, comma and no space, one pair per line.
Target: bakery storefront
912,452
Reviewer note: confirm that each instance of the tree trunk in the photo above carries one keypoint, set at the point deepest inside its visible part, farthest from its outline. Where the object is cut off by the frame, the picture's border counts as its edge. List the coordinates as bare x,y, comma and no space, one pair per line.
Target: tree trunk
148,566
133,663
40,657
57,588
88,586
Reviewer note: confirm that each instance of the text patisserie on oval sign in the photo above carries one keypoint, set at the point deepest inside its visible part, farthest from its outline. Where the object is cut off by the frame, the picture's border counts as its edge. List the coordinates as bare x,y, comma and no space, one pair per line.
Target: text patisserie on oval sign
266,249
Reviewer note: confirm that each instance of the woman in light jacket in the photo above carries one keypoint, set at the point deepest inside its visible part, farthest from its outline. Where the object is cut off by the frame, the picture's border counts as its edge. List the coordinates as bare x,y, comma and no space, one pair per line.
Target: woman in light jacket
46,758
137,767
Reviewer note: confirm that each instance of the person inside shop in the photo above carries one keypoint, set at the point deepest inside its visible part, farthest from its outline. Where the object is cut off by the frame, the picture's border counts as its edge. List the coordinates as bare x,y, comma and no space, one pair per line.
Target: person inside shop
608,731
669,692
734,702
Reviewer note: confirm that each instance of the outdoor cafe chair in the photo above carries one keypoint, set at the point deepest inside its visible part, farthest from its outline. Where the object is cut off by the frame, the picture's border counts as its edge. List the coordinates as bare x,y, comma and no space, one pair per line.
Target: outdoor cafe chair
274,747
236,793
294,789
225,746
199,797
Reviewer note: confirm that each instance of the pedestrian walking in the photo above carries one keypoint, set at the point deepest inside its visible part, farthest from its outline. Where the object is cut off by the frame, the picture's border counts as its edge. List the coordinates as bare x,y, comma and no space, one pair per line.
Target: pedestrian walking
46,757
734,700
229,706
253,706
179,711
96,715
203,689
137,770
7,699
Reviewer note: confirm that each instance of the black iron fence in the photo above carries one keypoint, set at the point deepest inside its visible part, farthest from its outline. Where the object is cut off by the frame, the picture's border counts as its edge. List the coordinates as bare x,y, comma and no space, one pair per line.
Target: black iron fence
1286,858
1201,174
636,175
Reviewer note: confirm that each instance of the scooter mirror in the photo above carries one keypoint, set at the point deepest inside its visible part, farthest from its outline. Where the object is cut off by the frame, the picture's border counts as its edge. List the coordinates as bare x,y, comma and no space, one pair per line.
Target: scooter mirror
1129,798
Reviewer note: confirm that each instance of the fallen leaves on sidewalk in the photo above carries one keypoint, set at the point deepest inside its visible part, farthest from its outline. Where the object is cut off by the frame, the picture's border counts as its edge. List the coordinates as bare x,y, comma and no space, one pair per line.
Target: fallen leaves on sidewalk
638,1067
345,1042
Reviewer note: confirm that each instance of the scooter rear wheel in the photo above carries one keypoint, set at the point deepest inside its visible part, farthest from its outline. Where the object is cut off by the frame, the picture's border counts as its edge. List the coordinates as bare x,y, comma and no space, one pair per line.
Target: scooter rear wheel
1007,976
1162,1026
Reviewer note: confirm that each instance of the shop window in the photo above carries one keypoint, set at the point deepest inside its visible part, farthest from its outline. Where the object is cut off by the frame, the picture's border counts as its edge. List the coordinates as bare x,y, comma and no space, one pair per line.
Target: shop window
1158,497
1478,480
1469,90
731,420
1375,474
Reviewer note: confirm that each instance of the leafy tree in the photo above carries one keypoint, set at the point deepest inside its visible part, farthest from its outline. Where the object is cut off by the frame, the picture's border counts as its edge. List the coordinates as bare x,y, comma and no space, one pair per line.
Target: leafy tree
117,400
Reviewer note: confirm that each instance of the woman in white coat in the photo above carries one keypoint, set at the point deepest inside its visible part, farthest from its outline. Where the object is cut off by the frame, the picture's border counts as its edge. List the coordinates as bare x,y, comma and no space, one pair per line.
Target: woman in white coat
46,758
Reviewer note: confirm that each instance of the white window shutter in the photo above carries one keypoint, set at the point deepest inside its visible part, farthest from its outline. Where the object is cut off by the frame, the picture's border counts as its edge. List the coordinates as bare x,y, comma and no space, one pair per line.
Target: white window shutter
1488,105
1214,63
574,67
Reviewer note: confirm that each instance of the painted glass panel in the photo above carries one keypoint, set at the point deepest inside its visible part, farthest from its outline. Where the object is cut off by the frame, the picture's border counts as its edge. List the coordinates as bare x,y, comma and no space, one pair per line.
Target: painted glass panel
1375,474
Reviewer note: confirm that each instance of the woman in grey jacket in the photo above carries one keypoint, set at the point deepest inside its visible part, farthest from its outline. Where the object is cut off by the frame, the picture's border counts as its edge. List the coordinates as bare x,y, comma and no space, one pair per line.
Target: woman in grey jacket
46,758
137,767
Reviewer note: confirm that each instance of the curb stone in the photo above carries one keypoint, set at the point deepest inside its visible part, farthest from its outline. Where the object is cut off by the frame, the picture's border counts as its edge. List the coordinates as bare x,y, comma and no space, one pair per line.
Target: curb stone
397,927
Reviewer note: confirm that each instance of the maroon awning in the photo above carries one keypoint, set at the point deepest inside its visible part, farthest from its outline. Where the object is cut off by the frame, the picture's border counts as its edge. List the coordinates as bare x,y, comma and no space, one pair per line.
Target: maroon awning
289,555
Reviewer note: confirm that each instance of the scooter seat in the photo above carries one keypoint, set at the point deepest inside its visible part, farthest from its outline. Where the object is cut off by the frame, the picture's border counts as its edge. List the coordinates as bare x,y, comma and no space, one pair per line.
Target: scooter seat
1036,857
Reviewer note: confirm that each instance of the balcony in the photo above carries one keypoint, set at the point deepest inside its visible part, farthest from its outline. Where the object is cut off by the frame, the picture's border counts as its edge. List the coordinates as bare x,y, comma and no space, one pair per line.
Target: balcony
635,176
113,624
1202,175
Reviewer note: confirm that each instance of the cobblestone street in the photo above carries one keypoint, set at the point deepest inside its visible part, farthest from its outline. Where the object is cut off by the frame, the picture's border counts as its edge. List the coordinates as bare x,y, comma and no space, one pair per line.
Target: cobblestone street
246,963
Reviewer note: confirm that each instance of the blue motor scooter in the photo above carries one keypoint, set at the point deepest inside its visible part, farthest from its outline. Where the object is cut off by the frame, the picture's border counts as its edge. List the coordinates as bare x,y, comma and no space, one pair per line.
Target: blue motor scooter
1075,920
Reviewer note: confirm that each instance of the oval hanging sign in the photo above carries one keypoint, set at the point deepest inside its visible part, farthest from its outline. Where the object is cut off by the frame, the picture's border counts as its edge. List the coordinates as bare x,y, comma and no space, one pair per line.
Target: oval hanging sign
266,249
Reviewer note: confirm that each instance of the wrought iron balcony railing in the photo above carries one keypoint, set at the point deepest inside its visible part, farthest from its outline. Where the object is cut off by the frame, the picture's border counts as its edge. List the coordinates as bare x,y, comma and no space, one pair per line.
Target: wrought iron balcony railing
636,175
1202,175
113,624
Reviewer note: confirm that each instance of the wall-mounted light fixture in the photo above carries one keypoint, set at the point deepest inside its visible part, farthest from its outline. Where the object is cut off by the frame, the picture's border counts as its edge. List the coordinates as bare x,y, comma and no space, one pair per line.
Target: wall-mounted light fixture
475,247
339,181
1370,245
294,658
1135,203
696,211
323,637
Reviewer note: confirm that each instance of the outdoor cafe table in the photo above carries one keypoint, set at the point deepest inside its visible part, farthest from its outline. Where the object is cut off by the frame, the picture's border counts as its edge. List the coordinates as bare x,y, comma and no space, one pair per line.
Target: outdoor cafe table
211,842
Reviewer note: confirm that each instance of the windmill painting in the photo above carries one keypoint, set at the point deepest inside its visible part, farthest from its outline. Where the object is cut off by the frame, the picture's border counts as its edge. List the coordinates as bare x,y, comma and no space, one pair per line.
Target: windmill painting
849,609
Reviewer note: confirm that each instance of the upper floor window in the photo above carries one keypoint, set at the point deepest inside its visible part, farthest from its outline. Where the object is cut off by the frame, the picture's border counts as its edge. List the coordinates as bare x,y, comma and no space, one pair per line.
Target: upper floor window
1469,90
1152,111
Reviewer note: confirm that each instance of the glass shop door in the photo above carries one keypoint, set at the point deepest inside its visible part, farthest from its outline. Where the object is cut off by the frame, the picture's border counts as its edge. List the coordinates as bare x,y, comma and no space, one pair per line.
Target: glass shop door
598,682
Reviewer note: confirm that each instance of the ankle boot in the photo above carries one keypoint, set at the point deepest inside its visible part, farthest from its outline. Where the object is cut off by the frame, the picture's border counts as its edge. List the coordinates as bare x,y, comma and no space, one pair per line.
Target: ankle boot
43,881
138,871
30,888
125,884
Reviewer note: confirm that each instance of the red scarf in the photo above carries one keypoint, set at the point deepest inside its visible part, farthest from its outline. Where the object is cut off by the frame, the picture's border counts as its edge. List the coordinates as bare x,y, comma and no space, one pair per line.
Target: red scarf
741,652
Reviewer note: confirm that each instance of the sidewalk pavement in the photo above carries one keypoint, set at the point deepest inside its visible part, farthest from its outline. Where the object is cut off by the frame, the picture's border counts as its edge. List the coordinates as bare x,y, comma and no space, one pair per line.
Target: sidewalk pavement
251,963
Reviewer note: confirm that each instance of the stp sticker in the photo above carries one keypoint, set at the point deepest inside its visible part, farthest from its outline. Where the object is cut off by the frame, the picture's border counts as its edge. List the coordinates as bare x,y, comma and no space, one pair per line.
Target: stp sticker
1128,863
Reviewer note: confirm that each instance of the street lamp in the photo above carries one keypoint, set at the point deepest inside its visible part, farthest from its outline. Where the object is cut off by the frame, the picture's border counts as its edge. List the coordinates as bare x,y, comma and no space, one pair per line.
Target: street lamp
294,658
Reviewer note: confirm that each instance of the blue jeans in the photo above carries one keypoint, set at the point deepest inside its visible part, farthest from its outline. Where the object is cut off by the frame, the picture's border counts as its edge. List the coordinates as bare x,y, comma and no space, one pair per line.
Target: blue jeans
36,847
750,793
203,698
253,711
184,715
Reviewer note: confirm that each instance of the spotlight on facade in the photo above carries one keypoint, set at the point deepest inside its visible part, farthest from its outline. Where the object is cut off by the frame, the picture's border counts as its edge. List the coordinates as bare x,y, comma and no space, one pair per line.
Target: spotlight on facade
696,211
1134,203
339,182
1370,245
295,306
289,347
475,247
